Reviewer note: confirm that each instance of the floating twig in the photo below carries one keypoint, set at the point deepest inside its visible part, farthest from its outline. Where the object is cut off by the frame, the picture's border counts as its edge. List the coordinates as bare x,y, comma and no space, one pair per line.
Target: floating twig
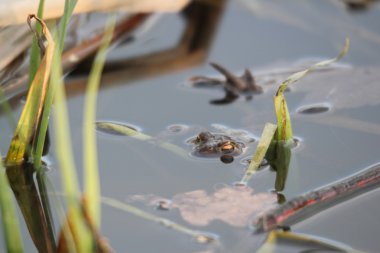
317,200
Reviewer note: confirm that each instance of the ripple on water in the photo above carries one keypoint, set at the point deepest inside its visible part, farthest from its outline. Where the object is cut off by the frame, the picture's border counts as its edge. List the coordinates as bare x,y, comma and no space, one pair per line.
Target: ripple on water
177,128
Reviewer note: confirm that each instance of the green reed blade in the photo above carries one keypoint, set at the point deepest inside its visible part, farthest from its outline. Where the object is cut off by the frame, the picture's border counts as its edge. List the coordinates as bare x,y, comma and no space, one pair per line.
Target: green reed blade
265,140
66,161
91,174
59,38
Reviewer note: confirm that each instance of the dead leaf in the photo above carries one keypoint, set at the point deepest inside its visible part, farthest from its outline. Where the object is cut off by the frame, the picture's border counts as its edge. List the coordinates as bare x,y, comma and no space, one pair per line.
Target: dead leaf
31,114
235,206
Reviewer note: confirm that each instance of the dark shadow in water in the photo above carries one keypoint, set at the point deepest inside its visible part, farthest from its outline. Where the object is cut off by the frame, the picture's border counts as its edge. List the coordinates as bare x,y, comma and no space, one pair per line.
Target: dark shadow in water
359,5
234,86
201,20
34,205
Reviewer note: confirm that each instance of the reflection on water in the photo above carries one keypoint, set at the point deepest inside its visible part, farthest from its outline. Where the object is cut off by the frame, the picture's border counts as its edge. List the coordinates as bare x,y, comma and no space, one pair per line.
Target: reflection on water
233,85
34,204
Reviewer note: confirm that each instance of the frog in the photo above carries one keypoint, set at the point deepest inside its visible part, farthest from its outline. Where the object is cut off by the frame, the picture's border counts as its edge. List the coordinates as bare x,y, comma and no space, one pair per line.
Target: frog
208,144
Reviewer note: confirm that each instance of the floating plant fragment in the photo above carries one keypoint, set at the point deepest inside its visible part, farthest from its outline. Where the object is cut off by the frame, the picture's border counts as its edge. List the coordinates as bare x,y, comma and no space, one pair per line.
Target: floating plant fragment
125,130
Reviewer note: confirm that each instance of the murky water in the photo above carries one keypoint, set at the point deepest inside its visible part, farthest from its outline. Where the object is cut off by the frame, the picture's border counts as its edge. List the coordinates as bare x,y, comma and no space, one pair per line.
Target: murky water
260,35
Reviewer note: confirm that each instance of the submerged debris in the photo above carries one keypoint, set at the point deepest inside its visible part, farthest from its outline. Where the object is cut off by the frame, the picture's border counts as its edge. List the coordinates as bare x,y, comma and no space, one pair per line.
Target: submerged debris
234,86
235,206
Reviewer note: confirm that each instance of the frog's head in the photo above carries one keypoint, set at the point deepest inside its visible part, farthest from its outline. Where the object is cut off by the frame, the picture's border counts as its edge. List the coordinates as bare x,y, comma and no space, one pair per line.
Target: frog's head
203,137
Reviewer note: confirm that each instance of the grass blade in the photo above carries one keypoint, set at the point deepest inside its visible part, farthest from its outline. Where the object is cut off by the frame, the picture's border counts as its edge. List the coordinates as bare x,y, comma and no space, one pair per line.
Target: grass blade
11,228
284,131
60,37
261,150
91,174
66,162
31,114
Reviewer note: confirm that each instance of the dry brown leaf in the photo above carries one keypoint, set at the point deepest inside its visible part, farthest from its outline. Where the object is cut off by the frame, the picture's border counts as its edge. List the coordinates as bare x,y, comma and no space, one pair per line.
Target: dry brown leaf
31,114
233,205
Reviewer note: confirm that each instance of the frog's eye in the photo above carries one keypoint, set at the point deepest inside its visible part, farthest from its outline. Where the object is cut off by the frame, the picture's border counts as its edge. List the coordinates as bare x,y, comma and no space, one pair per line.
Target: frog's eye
227,147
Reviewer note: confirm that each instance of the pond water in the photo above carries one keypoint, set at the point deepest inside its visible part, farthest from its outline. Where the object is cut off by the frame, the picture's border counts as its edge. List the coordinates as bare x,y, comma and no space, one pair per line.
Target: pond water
154,95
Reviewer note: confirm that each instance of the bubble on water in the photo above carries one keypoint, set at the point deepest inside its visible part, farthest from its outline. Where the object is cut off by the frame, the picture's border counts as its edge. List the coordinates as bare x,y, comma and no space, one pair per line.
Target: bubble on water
177,128
227,159
204,238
